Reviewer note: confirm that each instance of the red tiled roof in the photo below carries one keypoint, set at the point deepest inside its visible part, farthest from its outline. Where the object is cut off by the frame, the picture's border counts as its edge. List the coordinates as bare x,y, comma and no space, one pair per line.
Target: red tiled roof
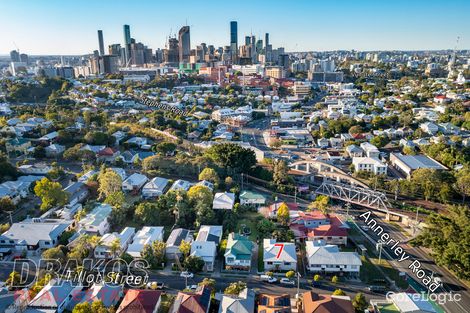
107,151
334,229
139,301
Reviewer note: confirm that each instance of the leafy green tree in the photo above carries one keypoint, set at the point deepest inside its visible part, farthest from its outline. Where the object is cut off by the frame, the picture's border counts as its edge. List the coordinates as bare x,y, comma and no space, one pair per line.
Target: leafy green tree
115,247
84,307
232,157
110,182
198,193
55,253
51,193
116,199
338,292
185,248
165,147
208,282
462,184
235,288
159,248
316,278
6,204
359,302
209,174
193,264
321,203
265,227
290,274
446,236
283,214
334,279
280,169
148,255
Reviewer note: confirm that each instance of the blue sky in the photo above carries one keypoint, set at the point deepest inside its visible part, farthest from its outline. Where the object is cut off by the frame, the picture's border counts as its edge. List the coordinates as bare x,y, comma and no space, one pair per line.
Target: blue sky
69,27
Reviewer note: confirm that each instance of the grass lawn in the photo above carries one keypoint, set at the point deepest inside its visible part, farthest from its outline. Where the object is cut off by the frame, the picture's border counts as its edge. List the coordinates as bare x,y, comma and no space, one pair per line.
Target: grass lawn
249,219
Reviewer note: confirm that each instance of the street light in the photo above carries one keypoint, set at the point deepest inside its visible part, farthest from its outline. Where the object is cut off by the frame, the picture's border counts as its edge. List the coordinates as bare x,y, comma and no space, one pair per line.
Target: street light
379,246
298,285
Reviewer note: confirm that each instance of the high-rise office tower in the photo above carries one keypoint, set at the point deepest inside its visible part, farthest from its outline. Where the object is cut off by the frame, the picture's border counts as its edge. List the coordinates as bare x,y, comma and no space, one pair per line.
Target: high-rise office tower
266,40
234,40
14,56
24,58
101,42
184,44
127,43
247,40
267,49
170,55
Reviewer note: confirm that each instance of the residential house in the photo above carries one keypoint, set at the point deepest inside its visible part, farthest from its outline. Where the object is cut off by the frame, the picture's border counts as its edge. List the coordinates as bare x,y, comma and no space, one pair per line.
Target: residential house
97,220
223,201
323,258
108,154
323,143
274,303
210,233
77,192
107,293
105,249
140,142
174,240
134,182
206,250
49,138
206,184
316,303
370,150
180,185
315,225
140,301
368,164
54,297
54,150
194,302
155,187
243,303
251,198
238,252
429,128
119,136
35,234
279,255
354,151
18,145
146,236
35,169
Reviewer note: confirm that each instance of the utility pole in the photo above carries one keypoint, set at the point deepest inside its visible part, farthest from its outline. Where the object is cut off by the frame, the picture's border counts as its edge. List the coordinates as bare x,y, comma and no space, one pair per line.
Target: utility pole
348,205
416,221
11,218
298,285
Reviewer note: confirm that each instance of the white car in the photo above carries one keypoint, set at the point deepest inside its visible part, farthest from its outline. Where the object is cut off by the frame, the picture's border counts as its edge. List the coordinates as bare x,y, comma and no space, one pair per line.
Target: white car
193,287
287,281
268,278
187,274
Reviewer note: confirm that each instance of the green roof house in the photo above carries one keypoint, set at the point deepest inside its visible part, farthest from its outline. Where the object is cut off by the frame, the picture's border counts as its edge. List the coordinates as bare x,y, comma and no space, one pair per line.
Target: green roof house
238,252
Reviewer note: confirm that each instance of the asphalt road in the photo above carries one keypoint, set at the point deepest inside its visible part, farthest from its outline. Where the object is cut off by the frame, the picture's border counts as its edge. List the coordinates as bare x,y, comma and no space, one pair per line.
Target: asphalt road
450,283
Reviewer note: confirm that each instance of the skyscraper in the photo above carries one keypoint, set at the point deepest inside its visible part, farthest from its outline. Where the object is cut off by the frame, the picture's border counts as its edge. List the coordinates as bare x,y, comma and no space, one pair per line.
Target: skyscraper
101,42
127,42
234,40
14,56
184,44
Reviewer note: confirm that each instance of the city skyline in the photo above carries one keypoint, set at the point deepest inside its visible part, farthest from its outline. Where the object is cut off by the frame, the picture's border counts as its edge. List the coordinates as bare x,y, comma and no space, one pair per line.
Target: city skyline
55,28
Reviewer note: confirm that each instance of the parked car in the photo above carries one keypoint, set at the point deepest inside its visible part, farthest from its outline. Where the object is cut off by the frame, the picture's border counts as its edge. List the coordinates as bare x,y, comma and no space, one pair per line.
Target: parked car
187,274
155,285
268,278
365,228
193,287
378,289
287,281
